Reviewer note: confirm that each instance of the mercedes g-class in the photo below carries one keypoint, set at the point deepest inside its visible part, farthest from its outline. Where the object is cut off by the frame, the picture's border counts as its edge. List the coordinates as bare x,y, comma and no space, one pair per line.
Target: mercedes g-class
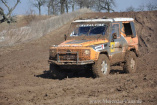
98,43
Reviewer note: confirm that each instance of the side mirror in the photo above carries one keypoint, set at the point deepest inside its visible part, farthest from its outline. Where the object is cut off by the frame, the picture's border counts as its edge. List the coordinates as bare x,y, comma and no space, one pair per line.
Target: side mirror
114,35
65,37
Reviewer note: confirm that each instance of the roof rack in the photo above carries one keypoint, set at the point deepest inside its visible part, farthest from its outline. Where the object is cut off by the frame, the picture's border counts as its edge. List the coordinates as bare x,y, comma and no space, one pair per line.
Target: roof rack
105,20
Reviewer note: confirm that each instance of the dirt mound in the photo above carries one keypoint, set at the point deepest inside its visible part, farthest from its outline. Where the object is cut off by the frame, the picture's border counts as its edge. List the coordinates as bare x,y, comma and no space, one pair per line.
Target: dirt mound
25,78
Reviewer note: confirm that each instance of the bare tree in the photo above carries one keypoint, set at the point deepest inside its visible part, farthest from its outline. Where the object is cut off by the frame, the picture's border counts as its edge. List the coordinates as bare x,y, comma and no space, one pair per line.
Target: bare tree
53,7
38,4
130,9
59,5
67,2
62,3
141,7
98,5
73,2
105,5
49,2
85,3
151,7
89,3
109,5
7,17
80,3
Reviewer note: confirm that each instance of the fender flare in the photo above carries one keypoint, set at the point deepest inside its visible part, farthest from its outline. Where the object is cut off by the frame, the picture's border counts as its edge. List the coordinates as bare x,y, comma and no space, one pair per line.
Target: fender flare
104,52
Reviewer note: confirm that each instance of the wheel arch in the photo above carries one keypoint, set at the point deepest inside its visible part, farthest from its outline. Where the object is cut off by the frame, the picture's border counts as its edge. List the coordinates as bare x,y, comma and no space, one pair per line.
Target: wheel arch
105,52
135,51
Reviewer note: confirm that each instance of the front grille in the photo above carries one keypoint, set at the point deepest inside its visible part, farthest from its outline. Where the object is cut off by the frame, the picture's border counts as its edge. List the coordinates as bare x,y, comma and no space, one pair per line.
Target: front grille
68,57
69,50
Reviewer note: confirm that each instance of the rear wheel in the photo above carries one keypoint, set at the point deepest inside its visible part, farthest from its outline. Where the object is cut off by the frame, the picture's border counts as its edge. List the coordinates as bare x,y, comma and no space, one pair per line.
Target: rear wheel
130,62
56,72
102,66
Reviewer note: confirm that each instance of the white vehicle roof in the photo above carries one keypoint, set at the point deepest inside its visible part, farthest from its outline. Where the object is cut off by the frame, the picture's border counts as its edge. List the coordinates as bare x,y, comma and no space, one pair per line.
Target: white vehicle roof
104,20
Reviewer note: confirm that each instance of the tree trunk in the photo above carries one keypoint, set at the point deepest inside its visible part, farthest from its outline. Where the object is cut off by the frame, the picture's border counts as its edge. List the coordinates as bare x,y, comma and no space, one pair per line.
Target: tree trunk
108,7
73,6
80,5
9,14
62,2
54,12
49,7
48,10
99,9
39,10
66,5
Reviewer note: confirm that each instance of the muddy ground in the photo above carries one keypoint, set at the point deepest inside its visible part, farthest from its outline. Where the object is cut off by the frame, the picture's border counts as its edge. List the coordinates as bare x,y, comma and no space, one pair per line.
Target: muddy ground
25,78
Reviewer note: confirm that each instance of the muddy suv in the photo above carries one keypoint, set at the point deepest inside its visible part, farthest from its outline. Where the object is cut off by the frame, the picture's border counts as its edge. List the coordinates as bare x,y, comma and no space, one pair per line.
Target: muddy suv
97,43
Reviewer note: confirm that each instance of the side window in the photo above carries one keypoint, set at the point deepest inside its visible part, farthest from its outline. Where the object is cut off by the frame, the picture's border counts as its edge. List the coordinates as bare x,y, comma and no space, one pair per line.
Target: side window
127,29
115,29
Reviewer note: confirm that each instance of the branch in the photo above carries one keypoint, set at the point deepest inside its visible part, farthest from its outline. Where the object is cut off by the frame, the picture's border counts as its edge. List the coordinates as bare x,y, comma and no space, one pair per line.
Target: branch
36,5
39,3
103,7
4,2
15,5
2,13
10,10
49,3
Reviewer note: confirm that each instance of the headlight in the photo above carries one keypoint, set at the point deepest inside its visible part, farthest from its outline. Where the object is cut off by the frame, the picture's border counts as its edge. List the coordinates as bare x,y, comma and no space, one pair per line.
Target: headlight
87,52
52,52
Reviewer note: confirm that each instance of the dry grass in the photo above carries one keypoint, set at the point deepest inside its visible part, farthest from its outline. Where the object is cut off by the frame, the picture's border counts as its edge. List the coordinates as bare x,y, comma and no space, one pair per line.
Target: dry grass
34,18
36,29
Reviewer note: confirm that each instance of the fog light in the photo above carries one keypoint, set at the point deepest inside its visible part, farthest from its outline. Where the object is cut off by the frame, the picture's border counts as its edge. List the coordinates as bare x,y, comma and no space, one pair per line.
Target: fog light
52,52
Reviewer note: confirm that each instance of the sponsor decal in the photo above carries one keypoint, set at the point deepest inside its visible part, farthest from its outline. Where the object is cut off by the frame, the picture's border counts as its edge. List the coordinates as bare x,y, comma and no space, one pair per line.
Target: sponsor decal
100,47
112,46
86,25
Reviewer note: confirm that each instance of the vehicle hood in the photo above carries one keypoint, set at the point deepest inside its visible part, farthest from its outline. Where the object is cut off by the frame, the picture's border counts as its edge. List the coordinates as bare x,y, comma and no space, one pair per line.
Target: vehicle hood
77,43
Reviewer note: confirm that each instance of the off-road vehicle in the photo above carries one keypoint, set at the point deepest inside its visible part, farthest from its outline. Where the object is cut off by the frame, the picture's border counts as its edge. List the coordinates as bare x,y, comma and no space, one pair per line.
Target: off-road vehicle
98,43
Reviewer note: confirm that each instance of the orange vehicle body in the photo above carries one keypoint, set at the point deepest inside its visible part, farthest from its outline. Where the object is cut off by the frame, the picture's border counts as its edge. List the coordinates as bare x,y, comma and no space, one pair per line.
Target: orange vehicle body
89,50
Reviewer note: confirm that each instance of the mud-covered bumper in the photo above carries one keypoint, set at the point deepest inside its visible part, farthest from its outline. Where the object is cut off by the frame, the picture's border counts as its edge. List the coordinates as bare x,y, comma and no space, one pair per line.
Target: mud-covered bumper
71,62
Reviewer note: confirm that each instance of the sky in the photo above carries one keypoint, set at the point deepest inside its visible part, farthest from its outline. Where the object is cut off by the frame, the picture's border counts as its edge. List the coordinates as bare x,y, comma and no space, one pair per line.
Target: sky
26,5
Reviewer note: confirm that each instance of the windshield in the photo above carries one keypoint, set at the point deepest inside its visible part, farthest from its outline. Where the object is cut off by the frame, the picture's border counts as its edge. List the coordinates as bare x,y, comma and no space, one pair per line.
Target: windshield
89,29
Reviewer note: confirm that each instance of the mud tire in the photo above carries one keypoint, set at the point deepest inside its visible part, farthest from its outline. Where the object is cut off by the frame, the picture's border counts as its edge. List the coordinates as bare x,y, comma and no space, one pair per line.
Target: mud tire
130,64
97,67
56,72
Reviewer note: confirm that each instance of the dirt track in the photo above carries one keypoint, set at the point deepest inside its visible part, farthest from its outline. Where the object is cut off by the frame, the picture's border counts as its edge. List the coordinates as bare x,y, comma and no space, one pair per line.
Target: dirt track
24,77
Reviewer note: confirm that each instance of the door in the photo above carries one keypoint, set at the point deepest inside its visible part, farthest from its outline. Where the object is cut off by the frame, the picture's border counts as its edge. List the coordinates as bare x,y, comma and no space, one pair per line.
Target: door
115,44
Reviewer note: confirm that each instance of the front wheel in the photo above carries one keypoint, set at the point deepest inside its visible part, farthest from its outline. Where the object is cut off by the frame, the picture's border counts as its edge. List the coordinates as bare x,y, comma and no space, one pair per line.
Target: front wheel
101,67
